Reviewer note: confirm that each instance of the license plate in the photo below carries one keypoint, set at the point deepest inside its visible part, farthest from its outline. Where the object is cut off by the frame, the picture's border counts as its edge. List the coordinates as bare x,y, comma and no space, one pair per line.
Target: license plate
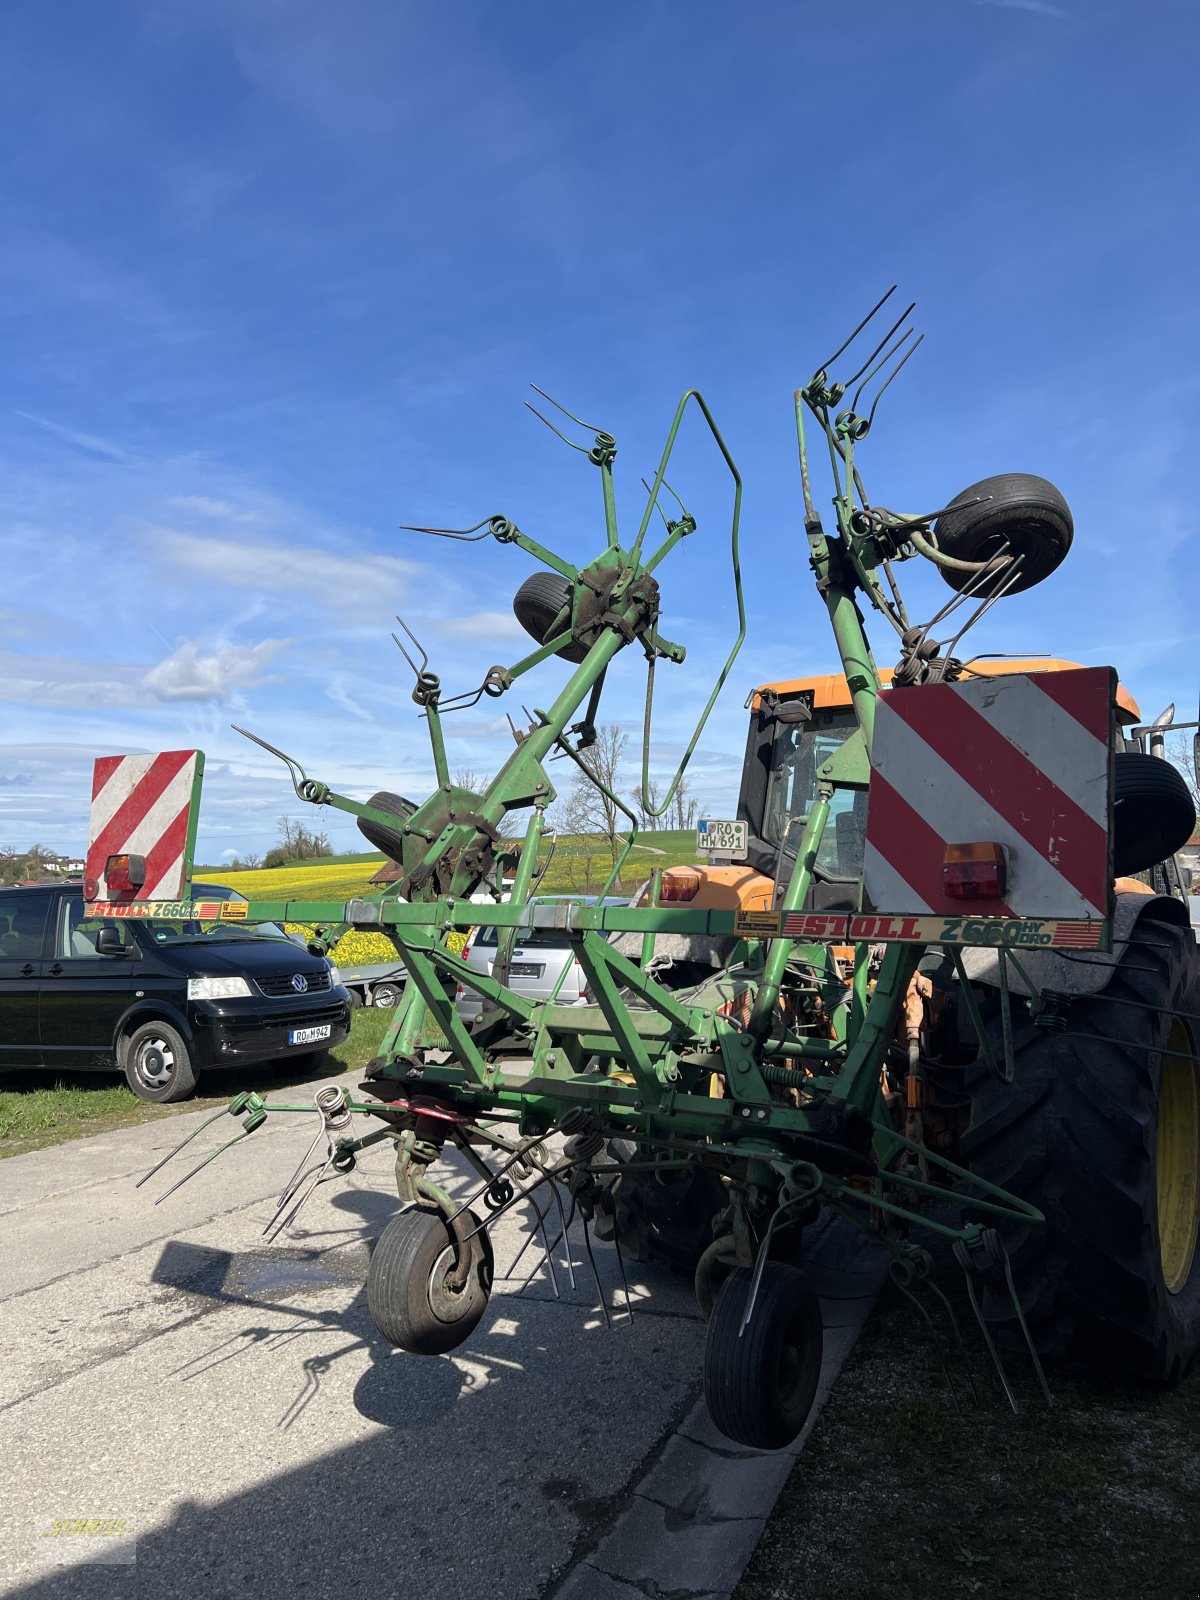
526,969
310,1035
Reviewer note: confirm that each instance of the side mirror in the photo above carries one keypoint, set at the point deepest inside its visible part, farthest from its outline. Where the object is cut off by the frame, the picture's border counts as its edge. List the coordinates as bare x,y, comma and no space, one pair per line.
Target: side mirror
109,942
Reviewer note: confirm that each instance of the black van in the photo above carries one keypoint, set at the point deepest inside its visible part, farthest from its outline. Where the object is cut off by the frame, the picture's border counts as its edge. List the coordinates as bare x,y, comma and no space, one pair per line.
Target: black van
160,1001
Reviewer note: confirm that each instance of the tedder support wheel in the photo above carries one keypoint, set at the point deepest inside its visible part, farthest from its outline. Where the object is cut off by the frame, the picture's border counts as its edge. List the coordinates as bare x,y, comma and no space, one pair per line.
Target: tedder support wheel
1101,1131
1017,509
537,602
426,1290
389,840
759,1386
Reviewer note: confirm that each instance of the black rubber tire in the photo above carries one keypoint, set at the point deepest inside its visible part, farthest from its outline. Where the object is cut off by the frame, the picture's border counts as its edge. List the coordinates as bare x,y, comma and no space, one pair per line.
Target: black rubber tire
389,840
406,1289
354,1000
670,1217
1076,1134
760,1387
157,1064
1153,816
387,993
1027,511
536,604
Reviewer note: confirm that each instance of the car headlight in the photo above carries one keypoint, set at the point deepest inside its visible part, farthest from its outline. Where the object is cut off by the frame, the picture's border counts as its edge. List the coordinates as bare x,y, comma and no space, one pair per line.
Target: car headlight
335,976
217,988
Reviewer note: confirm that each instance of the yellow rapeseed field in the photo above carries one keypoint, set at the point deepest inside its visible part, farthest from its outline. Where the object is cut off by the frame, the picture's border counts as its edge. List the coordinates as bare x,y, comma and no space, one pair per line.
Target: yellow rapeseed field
335,881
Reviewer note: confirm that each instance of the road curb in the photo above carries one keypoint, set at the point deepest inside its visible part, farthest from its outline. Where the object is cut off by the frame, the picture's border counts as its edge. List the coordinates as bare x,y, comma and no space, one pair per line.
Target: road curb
693,1518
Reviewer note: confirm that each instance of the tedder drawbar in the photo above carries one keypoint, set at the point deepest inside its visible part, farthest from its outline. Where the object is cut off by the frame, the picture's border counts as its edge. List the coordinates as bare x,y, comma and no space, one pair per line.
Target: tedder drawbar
953,993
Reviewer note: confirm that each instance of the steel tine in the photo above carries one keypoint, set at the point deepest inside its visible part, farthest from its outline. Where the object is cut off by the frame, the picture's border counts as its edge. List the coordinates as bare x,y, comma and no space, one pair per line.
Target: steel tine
1029,1344
237,1138
959,1340
304,1199
541,1216
293,1188
171,1154
825,365
934,1336
992,1351
587,1242
301,1164
565,1235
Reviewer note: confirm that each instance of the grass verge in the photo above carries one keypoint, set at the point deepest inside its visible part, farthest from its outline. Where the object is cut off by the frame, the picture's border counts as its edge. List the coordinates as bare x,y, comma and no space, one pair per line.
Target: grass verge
897,1496
35,1113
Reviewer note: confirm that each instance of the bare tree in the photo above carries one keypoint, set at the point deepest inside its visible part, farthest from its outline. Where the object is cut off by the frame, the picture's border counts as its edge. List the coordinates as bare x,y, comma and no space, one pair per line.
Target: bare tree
590,805
683,807
1181,751
646,806
296,843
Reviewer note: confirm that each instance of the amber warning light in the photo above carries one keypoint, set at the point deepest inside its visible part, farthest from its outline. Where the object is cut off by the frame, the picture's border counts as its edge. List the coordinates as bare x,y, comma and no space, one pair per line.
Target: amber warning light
973,871
678,885
125,875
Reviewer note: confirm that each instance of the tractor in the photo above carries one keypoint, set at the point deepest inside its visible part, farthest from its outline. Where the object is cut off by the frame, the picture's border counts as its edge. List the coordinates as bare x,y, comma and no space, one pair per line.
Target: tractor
950,993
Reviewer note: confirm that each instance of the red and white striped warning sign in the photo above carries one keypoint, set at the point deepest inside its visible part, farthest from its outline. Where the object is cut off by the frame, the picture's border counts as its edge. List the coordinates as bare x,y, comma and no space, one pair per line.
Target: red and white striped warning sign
144,806
1024,762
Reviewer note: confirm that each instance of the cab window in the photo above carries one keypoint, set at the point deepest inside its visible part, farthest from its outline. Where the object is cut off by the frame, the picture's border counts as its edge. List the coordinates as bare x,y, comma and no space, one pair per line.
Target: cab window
77,931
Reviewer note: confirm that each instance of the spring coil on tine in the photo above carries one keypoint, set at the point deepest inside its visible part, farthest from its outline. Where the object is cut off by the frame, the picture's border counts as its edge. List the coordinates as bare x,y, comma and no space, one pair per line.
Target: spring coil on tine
532,1157
428,688
1055,1012
331,1103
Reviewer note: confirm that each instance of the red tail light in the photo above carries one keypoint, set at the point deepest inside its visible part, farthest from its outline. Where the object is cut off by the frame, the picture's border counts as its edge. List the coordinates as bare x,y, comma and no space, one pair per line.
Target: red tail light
973,871
679,884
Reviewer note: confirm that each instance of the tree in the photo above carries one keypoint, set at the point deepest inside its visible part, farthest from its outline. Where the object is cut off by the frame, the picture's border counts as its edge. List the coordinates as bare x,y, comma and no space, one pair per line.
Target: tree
647,814
296,843
682,810
1181,750
591,809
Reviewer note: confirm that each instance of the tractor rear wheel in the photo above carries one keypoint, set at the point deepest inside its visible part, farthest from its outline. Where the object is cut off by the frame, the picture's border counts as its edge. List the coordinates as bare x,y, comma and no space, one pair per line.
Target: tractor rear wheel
1101,1131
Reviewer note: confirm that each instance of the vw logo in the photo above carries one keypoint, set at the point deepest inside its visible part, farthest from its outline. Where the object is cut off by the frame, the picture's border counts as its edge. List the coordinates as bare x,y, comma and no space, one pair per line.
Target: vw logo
299,983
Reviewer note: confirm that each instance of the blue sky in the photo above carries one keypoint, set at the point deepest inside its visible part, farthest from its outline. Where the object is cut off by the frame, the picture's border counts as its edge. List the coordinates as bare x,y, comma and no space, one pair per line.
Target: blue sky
275,274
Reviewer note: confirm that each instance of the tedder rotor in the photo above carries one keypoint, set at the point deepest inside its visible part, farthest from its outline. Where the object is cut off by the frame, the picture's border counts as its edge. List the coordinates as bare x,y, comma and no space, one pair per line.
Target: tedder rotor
761,1047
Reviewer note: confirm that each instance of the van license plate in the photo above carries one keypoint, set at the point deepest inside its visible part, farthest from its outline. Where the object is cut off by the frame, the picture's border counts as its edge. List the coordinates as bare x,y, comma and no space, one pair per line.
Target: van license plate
309,1035
526,969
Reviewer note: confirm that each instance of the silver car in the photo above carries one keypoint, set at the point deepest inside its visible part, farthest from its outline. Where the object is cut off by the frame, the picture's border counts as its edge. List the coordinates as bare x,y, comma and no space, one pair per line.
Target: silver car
538,962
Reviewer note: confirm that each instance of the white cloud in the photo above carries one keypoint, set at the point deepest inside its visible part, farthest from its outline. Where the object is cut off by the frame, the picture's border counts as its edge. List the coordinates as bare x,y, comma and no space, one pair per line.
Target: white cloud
339,579
481,626
202,506
187,675
1042,7
91,442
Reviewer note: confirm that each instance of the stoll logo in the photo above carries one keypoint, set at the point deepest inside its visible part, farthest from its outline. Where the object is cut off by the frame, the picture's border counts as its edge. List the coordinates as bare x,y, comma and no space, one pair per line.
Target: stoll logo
300,983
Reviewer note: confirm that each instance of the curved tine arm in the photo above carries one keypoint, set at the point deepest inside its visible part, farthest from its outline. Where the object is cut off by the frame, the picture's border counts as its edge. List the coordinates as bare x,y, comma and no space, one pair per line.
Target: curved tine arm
727,668
659,476
299,784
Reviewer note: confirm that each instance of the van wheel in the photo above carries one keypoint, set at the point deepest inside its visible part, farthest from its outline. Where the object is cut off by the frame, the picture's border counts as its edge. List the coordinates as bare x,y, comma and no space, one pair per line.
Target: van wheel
157,1064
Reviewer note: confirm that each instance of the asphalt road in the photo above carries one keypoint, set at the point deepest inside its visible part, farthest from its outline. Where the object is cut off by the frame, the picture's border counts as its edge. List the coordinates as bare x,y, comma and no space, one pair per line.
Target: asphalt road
232,1405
